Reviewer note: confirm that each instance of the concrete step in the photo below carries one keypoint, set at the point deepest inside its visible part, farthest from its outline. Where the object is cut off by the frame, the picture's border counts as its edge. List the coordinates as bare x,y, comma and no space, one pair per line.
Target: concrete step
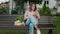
13,24
46,26
7,19
6,22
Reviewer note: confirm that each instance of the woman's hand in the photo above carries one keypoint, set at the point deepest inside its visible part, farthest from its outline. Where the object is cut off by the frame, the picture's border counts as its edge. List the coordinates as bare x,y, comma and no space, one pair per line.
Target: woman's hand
37,16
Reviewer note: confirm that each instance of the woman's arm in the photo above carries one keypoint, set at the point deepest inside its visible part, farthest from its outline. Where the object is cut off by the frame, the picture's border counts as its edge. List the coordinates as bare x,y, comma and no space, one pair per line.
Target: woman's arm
37,15
25,15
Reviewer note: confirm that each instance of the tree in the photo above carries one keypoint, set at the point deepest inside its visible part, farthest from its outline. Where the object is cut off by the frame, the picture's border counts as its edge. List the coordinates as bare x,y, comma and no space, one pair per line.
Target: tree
36,1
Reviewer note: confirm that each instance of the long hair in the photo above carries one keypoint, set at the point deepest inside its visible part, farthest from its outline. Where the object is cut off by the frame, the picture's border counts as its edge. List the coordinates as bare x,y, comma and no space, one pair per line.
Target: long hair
30,8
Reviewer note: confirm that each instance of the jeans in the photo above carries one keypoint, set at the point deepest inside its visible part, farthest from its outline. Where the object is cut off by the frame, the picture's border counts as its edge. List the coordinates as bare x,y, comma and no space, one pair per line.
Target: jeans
31,22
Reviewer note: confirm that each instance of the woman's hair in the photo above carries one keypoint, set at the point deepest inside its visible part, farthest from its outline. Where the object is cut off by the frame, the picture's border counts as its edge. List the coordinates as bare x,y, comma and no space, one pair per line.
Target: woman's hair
30,8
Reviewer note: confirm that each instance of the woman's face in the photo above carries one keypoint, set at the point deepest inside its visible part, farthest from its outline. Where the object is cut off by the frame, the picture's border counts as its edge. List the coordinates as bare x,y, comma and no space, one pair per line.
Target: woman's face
33,7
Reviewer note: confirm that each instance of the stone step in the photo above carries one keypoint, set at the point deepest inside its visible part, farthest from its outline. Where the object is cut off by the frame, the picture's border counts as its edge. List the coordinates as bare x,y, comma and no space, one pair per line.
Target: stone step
46,26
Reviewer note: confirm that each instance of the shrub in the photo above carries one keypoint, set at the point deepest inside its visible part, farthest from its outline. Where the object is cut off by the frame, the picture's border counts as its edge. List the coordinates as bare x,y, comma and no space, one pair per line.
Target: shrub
3,10
20,18
45,10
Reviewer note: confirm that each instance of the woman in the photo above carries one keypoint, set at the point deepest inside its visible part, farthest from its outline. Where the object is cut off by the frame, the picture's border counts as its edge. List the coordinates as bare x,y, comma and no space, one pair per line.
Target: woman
32,16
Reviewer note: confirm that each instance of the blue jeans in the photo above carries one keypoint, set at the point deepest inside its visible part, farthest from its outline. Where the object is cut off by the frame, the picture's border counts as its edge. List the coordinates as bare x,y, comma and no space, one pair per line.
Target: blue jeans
31,22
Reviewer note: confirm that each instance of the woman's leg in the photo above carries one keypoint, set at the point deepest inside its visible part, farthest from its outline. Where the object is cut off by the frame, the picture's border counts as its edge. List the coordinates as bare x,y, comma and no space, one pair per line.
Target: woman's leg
36,27
32,22
38,31
28,21
35,22
31,28
30,25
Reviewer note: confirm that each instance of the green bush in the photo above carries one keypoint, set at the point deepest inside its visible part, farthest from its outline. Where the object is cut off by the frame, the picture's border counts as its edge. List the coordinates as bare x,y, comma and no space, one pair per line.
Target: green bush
20,18
45,10
18,10
14,12
3,10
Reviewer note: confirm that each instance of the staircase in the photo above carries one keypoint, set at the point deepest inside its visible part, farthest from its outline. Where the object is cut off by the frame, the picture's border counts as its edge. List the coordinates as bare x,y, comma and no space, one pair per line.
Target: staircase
7,22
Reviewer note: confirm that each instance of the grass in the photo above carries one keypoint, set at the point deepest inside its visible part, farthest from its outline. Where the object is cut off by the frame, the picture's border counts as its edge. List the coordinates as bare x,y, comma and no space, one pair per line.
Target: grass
55,21
20,32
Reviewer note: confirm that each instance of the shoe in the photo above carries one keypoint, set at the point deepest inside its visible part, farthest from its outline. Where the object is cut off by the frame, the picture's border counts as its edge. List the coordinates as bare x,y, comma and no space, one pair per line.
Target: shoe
23,23
38,31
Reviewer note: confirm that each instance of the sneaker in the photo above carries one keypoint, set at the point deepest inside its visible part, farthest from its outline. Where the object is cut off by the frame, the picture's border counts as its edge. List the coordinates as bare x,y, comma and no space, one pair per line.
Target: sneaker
38,31
23,23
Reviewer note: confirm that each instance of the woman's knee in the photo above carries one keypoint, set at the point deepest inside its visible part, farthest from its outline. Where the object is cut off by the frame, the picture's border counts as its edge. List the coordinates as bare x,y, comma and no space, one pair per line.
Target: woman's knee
31,24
